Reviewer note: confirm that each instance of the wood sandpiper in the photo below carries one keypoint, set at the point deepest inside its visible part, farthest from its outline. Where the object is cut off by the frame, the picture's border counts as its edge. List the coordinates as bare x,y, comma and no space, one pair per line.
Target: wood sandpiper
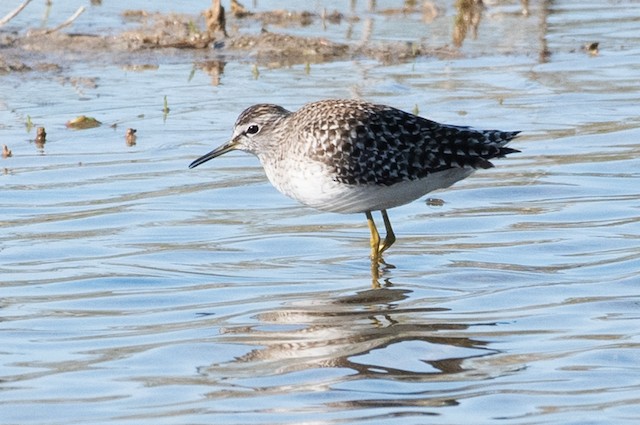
350,156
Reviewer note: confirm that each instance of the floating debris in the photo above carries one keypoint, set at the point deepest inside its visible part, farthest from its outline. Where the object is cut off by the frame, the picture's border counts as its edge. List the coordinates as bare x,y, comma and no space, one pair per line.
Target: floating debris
165,108
41,137
130,136
6,152
29,124
592,48
434,202
83,122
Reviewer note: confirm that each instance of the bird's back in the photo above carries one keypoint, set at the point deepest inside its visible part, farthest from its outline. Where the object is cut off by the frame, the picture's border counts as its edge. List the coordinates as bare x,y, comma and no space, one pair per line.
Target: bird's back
368,144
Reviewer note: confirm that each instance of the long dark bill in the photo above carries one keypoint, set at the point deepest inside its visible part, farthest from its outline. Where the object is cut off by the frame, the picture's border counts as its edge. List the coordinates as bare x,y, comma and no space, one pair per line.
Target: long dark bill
220,150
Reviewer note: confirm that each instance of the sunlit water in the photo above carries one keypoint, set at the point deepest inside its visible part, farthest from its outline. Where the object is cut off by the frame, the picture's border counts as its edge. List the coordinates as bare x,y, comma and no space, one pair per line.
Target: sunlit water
134,290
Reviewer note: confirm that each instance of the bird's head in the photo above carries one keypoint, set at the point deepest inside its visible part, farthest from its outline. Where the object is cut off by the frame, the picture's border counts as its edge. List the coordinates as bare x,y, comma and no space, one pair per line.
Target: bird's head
256,131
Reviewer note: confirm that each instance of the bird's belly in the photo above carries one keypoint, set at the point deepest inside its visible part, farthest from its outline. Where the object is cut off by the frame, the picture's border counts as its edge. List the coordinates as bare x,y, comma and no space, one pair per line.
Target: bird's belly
318,190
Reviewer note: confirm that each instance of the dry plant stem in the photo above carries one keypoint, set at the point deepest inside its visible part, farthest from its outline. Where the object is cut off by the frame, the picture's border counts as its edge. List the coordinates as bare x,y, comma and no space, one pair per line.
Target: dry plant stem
67,22
14,13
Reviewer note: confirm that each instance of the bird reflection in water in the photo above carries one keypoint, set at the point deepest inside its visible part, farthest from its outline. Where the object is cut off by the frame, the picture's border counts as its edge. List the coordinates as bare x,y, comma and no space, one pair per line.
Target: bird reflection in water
347,332
378,269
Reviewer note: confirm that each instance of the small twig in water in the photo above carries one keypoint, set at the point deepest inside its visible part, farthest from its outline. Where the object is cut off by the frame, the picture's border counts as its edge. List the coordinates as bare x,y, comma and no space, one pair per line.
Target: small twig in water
165,109
14,12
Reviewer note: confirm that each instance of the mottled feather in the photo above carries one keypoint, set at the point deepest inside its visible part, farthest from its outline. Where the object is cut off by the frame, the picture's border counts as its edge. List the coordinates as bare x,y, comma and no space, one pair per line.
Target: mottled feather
365,143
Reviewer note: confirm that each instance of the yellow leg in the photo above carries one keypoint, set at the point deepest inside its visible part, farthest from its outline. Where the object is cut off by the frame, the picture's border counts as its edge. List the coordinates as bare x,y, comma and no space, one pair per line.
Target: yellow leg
375,251
390,238
377,248
375,238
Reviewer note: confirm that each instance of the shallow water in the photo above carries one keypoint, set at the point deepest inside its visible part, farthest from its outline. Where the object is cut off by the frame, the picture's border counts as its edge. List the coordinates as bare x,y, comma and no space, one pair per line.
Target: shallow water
134,290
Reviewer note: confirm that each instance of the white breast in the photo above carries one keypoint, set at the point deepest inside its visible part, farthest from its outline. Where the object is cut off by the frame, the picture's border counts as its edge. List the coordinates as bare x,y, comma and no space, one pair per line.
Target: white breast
311,185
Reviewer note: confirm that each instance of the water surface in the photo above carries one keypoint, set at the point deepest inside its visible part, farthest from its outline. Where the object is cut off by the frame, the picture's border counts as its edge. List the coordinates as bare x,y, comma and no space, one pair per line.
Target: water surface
134,290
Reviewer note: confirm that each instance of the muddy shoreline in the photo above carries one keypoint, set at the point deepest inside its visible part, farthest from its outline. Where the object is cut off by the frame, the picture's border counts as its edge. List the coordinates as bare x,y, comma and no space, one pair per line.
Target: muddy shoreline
167,37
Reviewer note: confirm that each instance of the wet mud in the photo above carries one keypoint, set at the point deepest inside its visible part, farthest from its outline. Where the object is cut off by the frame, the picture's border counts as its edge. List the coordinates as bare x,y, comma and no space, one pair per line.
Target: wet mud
212,33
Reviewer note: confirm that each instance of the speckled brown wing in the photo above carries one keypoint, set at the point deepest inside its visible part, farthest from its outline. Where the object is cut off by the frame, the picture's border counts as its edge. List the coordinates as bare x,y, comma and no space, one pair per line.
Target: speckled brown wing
364,143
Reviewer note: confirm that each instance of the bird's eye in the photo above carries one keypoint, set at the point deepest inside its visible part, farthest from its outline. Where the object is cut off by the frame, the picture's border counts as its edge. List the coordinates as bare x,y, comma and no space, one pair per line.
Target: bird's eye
253,129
